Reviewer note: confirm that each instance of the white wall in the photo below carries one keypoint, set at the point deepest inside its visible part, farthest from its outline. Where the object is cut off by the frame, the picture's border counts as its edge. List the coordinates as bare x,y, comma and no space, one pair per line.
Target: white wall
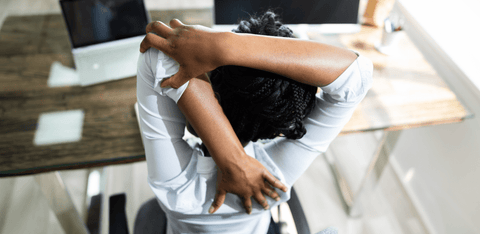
445,160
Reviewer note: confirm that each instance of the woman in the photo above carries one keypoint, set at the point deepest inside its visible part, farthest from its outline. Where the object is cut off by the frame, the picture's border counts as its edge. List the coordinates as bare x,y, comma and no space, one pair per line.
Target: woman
184,179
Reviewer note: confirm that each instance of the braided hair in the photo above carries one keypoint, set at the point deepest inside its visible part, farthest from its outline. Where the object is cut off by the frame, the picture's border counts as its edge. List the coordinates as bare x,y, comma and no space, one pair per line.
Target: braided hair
260,104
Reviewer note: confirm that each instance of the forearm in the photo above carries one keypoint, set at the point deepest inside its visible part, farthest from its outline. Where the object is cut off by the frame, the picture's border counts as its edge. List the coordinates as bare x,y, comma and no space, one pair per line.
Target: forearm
202,110
238,173
307,62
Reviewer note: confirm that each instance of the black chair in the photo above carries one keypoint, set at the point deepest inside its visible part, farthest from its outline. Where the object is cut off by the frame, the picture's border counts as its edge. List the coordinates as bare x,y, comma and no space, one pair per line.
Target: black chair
117,222
150,210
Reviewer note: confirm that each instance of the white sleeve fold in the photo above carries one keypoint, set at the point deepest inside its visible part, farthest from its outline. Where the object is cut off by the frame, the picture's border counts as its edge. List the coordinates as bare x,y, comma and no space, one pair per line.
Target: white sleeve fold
166,67
352,85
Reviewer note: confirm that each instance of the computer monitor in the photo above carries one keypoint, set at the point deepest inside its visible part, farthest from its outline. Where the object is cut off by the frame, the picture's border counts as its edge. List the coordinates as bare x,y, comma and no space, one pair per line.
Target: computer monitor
324,16
92,22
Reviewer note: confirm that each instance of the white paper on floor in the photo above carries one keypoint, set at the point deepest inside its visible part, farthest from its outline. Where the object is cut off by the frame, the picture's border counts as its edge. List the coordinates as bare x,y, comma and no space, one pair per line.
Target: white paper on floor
59,127
62,76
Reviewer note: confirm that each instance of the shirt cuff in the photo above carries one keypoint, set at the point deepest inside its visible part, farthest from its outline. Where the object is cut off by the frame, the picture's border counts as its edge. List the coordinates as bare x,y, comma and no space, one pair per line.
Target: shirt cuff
165,68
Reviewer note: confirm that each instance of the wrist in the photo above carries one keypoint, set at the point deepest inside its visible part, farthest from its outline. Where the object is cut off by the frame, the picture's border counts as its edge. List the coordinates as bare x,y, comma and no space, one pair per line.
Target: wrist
235,158
226,42
247,50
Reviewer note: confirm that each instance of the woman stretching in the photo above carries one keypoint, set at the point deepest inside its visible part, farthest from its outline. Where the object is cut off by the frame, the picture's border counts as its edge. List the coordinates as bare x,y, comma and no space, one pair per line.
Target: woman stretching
262,87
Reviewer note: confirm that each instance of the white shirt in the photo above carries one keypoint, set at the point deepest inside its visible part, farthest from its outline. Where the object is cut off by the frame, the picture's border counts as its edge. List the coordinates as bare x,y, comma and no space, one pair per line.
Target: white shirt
183,180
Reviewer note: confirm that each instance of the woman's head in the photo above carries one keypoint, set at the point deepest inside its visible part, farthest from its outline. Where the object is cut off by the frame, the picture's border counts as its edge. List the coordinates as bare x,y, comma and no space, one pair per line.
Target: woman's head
259,104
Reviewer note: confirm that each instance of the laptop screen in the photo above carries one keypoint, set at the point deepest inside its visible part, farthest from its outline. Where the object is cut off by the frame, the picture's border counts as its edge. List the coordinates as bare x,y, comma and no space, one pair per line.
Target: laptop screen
96,21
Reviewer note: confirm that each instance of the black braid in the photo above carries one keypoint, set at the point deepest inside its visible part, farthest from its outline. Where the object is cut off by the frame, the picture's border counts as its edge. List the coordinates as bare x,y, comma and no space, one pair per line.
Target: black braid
260,104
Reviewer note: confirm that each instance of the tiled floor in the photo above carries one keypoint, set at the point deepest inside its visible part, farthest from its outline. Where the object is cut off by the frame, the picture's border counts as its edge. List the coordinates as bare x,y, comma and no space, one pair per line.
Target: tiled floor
386,209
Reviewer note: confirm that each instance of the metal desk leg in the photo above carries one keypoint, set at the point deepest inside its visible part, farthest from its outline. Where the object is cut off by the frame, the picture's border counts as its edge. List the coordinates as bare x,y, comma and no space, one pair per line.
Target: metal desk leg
60,202
370,180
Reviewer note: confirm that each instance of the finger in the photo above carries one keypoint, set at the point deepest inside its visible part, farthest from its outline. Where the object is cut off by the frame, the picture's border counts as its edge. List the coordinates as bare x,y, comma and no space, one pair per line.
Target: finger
217,202
145,45
149,29
271,193
176,80
152,40
159,28
167,83
175,23
275,182
247,203
262,200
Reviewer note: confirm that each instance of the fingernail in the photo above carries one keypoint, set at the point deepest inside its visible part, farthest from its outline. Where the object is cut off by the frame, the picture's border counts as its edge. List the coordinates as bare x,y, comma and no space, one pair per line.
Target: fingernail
266,207
249,211
211,209
277,199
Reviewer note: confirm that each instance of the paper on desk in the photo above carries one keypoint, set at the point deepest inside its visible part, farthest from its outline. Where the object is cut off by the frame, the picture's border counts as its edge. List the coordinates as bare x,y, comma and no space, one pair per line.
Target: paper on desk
59,127
60,76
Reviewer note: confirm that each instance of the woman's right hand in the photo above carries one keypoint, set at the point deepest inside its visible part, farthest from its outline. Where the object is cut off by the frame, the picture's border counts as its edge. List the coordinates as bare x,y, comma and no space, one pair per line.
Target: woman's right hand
247,178
238,173
195,48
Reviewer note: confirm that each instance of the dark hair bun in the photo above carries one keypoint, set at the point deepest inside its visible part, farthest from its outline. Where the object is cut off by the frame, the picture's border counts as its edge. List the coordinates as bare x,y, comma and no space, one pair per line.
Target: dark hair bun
260,104
267,24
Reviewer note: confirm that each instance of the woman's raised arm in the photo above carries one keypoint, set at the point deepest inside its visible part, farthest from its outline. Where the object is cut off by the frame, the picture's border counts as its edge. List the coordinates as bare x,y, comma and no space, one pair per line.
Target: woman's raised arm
199,49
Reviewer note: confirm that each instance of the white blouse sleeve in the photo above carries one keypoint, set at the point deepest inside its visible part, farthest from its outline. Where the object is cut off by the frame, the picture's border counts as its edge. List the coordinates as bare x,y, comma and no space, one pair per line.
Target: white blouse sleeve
162,124
334,107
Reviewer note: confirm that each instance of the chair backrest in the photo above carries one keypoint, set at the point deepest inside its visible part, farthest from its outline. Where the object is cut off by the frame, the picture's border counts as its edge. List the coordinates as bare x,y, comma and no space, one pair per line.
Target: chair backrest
297,213
117,216
300,219
150,219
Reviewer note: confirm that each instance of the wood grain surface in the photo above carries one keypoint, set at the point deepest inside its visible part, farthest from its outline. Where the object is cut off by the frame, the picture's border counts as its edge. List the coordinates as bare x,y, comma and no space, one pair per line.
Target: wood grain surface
407,93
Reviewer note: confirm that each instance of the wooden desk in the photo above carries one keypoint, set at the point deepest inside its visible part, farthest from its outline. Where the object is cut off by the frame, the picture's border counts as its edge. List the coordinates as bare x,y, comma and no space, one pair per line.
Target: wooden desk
28,47
407,93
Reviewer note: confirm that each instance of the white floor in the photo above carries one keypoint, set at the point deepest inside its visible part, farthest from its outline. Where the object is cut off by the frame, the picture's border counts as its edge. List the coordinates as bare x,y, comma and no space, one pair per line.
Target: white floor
386,209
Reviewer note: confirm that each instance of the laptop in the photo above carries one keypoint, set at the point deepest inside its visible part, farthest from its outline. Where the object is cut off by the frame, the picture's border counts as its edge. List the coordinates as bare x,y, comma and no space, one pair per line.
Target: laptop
105,36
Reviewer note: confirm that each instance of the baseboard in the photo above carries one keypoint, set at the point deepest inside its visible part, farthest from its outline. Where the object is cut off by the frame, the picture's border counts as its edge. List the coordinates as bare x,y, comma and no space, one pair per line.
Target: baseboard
399,173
